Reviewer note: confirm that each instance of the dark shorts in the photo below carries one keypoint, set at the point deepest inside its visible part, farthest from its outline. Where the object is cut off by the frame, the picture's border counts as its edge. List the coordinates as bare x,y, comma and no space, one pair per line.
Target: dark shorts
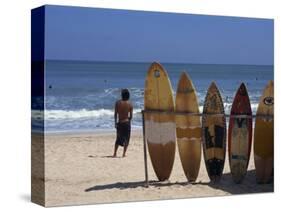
123,133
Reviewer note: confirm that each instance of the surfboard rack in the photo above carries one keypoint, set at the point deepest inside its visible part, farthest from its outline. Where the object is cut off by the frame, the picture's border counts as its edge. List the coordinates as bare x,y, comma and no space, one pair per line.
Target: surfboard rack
146,182
206,114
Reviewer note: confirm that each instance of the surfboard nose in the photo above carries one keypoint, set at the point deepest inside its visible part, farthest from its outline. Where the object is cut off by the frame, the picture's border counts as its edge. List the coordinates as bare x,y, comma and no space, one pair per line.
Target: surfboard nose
242,90
184,83
242,85
213,87
183,76
157,70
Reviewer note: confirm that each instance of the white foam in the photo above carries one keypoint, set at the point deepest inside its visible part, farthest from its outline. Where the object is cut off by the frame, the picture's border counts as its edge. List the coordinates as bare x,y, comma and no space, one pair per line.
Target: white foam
227,108
64,114
75,114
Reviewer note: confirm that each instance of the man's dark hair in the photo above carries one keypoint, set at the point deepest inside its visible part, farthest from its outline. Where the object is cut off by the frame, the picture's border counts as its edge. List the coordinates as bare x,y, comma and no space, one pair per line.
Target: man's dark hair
125,94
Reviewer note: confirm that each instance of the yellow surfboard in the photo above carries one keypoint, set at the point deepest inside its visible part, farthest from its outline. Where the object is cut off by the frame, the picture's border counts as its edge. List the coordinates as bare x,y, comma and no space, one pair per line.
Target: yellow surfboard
263,136
160,131
188,128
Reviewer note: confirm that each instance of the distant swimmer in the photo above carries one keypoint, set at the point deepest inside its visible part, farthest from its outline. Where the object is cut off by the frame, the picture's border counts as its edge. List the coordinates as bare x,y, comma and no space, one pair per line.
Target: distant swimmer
50,87
105,81
256,78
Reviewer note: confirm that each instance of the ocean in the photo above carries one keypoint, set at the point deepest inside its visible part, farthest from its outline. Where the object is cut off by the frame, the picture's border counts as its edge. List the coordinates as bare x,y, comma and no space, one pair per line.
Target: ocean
80,95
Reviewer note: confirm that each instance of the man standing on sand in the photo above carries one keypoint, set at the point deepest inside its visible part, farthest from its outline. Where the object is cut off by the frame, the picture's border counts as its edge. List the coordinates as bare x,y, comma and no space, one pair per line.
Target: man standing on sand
124,111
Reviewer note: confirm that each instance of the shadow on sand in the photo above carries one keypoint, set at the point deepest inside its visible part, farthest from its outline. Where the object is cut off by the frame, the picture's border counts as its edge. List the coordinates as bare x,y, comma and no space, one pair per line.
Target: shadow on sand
248,185
226,184
127,185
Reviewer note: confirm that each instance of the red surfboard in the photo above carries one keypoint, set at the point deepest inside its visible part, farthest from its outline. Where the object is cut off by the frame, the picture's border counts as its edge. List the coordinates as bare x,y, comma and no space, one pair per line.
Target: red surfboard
240,134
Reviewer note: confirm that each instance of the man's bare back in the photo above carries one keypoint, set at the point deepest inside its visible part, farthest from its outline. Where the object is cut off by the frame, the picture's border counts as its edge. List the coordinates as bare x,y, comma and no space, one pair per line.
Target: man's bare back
124,111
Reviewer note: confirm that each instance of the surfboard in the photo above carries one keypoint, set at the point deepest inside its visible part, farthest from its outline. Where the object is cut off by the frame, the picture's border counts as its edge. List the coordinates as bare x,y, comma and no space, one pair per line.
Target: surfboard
214,133
160,128
240,134
263,136
188,128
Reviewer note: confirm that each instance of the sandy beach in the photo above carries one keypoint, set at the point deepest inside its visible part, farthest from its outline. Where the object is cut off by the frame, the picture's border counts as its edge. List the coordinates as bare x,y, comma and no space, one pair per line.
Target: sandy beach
79,169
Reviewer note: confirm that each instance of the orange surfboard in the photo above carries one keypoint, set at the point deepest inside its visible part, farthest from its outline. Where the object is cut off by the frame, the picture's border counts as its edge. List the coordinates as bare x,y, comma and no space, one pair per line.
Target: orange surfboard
188,128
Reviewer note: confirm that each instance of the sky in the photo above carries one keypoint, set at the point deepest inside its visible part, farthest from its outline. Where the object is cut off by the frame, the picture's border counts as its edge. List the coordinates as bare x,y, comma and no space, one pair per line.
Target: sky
78,33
